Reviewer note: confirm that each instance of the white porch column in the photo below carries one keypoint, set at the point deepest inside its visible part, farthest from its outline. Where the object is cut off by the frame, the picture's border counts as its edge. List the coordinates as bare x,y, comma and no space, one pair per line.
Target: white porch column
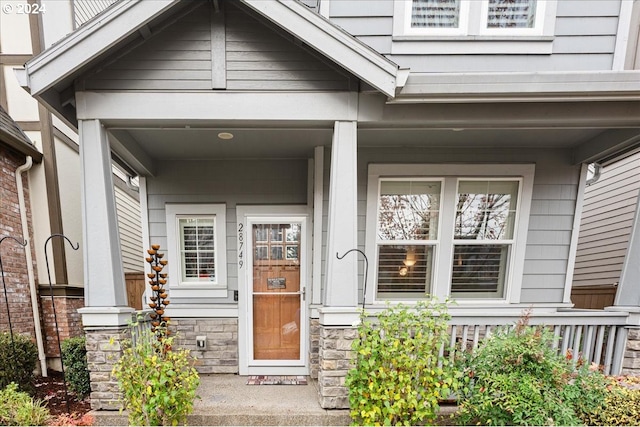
341,287
103,271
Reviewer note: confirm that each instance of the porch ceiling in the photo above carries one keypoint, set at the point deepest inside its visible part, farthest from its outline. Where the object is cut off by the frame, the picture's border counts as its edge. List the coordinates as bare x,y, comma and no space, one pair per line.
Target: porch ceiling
202,143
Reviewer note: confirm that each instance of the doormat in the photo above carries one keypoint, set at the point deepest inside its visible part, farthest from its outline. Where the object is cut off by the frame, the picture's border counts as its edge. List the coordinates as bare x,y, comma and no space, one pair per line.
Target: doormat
277,380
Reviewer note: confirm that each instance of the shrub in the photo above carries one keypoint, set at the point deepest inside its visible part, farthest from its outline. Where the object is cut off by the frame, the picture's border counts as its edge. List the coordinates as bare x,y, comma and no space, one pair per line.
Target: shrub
74,357
17,361
400,374
158,384
17,408
519,379
622,404
74,419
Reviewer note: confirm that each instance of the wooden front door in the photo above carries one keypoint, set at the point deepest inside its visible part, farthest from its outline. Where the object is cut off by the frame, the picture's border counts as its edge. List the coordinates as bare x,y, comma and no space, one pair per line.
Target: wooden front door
277,295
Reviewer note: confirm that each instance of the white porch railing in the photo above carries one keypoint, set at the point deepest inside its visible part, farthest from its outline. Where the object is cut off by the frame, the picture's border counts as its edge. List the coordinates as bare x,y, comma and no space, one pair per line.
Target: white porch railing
593,336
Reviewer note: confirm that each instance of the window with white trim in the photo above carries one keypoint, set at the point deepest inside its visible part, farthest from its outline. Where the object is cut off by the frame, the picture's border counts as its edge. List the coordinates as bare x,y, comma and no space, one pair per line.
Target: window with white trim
460,236
473,17
197,247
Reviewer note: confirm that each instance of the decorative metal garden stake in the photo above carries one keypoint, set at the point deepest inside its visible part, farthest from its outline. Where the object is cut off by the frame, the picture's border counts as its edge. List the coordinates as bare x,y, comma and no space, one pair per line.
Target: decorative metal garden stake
159,301
366,269
6,298
53,307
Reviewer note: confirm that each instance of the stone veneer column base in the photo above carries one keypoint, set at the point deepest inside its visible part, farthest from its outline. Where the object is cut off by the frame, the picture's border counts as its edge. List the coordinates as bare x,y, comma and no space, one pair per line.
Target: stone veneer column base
631,361
335,360
103,351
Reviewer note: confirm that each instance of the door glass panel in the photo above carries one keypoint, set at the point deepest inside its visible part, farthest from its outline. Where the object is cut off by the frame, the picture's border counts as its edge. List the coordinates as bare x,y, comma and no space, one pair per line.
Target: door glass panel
276,291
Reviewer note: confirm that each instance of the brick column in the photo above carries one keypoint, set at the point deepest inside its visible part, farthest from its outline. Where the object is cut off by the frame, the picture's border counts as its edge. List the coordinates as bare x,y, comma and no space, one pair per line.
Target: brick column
335,357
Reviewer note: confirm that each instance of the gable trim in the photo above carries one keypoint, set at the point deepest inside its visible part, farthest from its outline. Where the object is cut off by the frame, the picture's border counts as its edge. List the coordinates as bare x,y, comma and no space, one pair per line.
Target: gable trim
331,41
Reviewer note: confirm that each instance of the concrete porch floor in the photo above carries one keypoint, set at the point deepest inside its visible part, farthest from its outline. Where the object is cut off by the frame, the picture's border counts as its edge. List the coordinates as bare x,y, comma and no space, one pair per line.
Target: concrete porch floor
227,400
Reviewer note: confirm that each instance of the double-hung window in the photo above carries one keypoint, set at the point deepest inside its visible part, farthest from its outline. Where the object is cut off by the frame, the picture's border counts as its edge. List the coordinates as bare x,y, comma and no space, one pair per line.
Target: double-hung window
474,26
448,230
196,250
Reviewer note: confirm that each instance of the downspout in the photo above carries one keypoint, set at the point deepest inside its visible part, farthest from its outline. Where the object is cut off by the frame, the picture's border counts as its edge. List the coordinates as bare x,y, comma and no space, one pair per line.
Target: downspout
30,274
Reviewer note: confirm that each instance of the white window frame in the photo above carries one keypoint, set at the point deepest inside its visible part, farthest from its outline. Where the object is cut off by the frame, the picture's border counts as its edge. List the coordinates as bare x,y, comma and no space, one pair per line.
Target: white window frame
451,174
471,37
177,288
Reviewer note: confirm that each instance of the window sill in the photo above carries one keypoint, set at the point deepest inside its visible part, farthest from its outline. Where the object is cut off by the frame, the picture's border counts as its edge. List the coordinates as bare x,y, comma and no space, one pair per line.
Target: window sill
463,45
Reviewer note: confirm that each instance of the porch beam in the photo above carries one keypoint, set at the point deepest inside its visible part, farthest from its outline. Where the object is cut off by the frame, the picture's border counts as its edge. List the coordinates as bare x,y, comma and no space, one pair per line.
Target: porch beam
341,287
103,270
125,146
157,106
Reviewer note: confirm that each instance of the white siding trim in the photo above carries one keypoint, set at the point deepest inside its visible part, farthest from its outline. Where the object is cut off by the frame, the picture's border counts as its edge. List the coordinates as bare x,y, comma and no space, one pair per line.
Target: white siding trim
575,232
318,195
622,35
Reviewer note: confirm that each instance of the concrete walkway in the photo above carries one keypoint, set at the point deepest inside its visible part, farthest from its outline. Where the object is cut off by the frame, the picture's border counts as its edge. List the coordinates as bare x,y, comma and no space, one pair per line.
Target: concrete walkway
227,400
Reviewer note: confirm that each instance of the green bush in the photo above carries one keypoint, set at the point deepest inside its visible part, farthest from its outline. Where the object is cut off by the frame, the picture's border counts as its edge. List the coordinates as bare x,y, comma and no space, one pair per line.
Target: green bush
17,408
17,361
519,379
158,384
622,404
400,374
74,357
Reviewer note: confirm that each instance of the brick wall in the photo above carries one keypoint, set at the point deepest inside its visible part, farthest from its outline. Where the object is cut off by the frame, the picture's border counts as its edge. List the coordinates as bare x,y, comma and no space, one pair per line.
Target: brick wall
221,353
13,255
69,321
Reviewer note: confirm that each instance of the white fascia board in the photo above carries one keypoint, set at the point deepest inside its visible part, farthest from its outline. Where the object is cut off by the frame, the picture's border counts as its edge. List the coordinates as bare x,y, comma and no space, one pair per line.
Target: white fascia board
219,105
89,41
521,86
331,41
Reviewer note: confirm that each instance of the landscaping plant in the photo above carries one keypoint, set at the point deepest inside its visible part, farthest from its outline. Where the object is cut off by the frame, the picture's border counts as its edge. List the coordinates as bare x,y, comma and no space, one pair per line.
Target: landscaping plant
622,404
18,357
17,408
74,357
518,378
401,372
158,385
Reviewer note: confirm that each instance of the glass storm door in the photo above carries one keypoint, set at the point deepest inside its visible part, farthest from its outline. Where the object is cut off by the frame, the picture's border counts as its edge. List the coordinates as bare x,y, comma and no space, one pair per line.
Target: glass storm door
276,294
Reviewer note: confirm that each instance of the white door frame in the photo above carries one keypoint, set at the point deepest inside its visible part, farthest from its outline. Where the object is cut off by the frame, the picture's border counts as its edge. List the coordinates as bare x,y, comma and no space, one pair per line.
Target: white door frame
246,217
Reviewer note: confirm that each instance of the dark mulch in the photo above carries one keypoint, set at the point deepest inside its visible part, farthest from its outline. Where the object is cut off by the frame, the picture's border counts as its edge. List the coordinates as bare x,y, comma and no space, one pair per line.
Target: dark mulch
50,390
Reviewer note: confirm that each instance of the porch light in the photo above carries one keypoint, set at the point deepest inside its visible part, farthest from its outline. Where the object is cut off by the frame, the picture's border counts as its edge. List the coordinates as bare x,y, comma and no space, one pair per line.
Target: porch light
225,135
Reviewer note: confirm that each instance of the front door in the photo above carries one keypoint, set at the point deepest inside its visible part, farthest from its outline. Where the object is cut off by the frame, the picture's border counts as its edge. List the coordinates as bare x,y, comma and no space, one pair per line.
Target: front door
275,295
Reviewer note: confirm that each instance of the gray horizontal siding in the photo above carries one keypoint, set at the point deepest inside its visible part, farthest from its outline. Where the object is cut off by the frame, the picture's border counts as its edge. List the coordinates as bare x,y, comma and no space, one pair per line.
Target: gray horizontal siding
256,58
609,209
584,39
231,182
130,230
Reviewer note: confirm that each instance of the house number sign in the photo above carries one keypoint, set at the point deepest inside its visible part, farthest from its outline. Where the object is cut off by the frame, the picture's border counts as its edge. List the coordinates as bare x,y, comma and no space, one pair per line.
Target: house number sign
240,245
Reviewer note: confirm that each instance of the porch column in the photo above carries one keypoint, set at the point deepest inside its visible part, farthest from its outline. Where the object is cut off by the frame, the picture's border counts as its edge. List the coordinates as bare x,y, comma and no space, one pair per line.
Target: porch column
341,287
106,315
103,270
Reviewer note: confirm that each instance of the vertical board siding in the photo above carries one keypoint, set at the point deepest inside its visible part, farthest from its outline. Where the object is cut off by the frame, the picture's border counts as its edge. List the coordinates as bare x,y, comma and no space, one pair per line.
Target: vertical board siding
256,58
585,37
130,228
552,210
233,182
609,209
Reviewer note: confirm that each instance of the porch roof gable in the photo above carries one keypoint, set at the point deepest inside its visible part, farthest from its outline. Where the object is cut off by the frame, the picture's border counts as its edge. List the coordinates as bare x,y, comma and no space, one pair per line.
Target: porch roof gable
57,66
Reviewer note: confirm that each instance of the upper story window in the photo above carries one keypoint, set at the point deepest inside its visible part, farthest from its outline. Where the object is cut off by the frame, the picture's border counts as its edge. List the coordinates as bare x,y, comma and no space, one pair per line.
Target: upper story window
472,17
477,26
